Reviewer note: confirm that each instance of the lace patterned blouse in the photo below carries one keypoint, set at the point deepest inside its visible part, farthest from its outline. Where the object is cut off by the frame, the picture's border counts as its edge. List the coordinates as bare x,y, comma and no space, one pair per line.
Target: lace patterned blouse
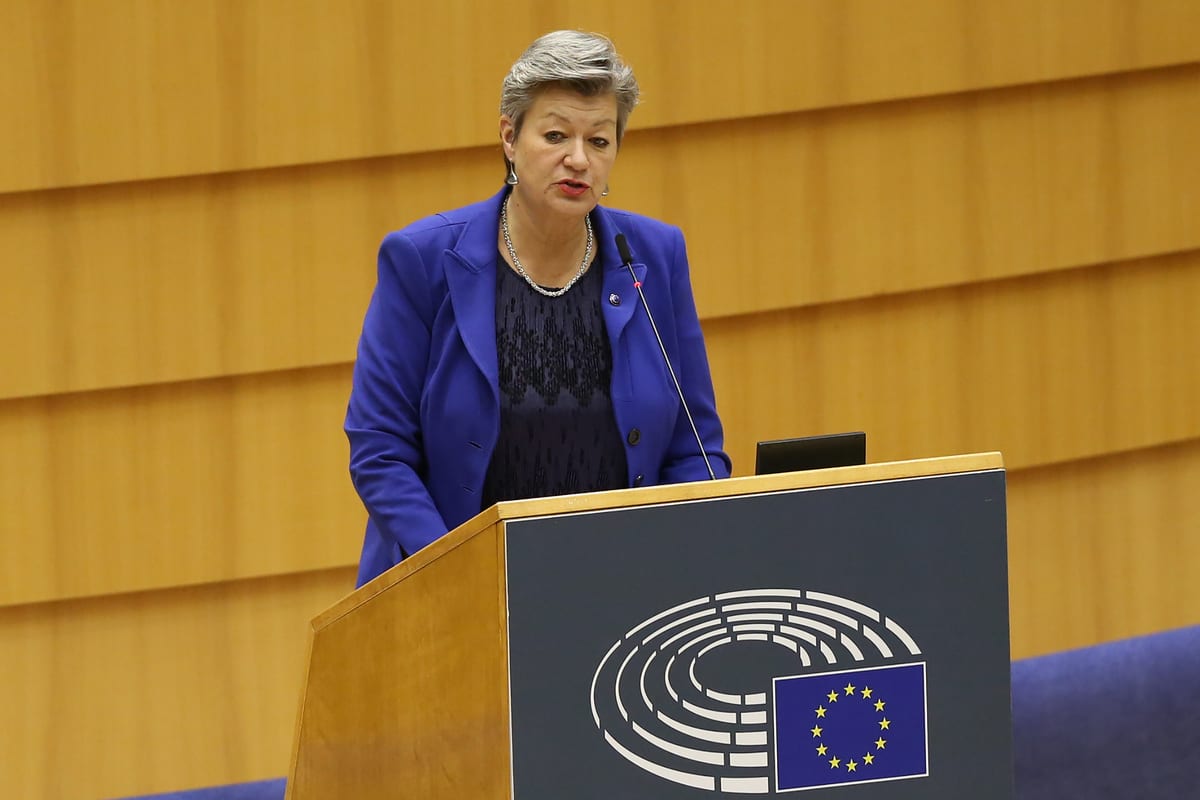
558,434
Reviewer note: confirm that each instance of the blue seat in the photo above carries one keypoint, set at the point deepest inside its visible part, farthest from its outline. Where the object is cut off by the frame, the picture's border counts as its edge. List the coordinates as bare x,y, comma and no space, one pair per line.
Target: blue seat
1116,720
258,790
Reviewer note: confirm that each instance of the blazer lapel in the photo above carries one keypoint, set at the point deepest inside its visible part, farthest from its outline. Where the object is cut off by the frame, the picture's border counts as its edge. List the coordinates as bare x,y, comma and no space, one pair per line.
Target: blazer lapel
618,284
617,281
471,279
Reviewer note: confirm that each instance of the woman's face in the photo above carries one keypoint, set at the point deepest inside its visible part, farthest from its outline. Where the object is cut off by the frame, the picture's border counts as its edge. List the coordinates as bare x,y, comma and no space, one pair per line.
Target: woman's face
566,149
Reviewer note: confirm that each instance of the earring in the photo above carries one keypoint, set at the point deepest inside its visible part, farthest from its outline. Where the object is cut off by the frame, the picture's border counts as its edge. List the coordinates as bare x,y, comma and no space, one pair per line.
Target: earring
511,180
605,192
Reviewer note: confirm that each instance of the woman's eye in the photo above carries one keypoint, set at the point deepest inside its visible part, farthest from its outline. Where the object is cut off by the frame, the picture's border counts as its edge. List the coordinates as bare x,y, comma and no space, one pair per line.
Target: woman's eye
554,137
600,141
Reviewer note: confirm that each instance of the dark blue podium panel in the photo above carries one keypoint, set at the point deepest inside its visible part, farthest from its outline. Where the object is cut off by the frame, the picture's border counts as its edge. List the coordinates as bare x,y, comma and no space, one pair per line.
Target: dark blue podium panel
847,642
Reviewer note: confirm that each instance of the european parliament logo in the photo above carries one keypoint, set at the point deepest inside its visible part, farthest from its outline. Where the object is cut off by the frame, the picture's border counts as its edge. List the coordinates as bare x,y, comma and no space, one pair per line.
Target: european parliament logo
850,726
845,706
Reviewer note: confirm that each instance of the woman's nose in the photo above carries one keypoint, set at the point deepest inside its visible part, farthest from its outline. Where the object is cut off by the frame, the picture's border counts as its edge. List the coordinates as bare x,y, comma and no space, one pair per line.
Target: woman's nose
577,155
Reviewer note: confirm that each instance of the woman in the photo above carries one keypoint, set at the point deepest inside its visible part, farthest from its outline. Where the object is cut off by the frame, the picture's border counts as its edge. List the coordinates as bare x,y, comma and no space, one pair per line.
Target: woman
505,353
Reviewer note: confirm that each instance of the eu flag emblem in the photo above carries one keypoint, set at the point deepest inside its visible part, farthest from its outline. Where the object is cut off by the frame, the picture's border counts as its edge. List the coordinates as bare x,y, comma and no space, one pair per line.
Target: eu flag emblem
851,726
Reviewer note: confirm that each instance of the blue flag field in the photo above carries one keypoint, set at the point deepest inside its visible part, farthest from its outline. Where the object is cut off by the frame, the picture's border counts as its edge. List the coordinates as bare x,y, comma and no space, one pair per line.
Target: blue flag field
851,726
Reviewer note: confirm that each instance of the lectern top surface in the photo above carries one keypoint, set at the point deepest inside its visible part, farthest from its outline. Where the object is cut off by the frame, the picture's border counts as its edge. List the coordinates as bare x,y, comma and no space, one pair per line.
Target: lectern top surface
653,495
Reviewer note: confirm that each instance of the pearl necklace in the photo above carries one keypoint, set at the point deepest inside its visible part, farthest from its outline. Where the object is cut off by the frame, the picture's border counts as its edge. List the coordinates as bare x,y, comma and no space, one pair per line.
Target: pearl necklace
512,253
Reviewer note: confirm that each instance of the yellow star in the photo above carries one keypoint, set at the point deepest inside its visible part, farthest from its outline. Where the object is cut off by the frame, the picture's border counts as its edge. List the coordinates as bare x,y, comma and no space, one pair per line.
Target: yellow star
879,704
821,750
880,743
866,692
868,759
884,723
849,689
820,711
833,695
834,762
816,731
851,765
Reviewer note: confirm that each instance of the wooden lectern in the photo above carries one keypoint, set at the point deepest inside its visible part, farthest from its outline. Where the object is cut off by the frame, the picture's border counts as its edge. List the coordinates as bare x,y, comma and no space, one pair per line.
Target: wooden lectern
754,636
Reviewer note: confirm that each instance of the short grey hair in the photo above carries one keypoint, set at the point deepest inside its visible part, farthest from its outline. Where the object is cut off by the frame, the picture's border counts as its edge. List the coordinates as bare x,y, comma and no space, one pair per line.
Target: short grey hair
586,63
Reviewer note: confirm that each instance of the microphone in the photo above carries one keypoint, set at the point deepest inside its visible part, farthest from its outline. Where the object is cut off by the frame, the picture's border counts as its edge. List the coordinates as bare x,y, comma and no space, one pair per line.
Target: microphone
627,261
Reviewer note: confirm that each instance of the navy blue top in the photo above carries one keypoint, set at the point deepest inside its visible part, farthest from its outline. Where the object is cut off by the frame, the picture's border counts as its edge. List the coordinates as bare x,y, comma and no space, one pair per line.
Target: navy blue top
558,434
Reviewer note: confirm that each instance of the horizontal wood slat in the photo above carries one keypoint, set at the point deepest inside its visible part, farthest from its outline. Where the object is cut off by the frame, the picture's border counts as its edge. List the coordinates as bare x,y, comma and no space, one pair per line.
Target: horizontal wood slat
191,278
1104,549
1043,368
136,89
179,484
177,280
155,692
803,209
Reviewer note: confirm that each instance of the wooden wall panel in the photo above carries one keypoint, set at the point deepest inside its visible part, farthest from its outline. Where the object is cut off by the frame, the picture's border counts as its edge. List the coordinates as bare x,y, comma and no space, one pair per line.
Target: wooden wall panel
1104,549
151,692
179,484
190,278
1044,368
136,89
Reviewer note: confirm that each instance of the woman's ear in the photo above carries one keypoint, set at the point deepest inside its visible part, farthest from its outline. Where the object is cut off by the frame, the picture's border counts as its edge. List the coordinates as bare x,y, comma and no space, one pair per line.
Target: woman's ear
508,135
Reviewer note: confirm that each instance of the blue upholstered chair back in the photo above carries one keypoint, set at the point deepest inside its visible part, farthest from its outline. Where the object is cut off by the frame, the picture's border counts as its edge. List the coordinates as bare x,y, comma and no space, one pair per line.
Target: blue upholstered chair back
1117,720
259,790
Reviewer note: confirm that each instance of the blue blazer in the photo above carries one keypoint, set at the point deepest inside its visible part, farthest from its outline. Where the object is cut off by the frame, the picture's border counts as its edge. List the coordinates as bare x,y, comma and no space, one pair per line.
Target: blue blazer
424,411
